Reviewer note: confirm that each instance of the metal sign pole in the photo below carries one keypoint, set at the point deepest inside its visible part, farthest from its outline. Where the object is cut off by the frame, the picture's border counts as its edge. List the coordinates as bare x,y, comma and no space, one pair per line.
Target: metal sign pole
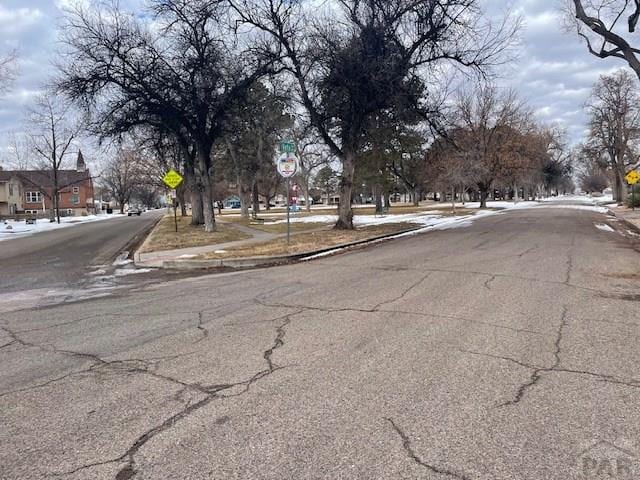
175,212
288,214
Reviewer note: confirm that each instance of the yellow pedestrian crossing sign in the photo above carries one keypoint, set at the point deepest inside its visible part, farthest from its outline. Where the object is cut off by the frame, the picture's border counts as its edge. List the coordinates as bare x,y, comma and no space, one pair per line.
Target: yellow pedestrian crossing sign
632,177
172,179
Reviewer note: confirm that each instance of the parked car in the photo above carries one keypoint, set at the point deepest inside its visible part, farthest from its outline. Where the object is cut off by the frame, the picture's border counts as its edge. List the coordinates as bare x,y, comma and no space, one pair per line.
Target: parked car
134,211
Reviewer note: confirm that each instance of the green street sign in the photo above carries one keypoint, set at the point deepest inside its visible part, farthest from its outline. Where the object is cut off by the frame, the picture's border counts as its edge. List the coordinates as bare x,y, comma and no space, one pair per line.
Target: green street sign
287,146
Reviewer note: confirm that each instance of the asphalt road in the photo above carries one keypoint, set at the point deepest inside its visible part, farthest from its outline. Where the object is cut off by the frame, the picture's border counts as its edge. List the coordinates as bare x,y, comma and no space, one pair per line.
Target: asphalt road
62,259
504,350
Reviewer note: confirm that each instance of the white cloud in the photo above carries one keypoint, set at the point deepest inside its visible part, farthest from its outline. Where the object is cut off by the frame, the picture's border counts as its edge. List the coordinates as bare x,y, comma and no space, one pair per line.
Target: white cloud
13,21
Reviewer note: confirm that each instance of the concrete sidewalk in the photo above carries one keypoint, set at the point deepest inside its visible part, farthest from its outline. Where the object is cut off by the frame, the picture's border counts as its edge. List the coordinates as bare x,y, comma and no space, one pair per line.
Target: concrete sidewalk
627,214
157,259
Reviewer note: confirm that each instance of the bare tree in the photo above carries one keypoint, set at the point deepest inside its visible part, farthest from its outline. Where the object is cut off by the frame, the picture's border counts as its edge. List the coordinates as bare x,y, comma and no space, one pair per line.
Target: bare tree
489,128
53,130
371,56
312,155
181,69
122,176
605,26
7,71
20,151
614,109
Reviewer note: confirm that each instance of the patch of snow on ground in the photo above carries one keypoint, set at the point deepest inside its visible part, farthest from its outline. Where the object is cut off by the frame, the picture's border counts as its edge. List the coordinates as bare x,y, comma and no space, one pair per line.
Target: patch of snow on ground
131,271
122,260
591,208
20,229
604,227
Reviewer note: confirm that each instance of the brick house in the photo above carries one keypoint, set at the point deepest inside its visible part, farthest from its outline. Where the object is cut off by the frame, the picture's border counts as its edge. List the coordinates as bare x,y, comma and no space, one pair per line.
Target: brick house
36,186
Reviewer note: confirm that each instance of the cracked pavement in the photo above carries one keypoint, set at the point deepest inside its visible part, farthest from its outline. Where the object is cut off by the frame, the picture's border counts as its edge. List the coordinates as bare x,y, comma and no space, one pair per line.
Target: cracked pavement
496,351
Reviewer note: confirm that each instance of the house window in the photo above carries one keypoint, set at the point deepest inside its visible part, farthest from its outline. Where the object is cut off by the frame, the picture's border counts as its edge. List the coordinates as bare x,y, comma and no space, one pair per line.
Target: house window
69,212
76,189
75,199
34,197
11,189
31,212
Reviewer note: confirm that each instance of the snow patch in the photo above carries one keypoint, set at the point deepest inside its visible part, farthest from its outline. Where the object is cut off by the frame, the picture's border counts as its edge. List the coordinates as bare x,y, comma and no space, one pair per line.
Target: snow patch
22,229
98,272
131,271
122,260
604,227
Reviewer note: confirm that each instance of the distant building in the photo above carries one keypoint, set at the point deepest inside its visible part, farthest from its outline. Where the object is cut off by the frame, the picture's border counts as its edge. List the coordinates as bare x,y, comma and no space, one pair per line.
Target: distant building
10,193
31,191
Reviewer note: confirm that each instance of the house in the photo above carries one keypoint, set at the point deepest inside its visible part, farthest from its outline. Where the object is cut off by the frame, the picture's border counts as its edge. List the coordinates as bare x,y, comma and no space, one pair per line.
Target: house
232,201
75,191
10,193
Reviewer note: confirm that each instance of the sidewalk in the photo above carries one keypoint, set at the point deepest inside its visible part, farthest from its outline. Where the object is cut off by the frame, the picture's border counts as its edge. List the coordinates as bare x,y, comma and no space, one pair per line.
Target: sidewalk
157,259
628,215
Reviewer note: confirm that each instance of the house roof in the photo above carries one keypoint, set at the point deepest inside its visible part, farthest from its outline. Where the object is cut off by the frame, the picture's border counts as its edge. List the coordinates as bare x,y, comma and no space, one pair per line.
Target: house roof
44,178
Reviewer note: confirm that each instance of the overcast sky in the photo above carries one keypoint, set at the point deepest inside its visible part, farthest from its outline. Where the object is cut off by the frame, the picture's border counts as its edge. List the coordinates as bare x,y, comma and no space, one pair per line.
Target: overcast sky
554,74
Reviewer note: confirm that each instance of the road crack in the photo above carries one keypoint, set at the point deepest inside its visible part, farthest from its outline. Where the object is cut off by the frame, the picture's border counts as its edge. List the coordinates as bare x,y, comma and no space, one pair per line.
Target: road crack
212,393
537,372
406,444
202,328
489,281
404,293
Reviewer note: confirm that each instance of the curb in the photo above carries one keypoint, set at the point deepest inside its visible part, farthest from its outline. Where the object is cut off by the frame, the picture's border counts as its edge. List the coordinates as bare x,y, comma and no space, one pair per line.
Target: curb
254,262
136,254
630,225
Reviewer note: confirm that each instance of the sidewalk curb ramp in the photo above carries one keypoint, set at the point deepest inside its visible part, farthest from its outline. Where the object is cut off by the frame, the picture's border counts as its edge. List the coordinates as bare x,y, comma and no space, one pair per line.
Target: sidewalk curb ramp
270,261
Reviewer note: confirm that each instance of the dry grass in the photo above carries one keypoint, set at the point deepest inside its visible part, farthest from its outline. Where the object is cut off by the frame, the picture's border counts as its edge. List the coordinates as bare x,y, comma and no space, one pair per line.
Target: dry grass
278,228
309,242
164,236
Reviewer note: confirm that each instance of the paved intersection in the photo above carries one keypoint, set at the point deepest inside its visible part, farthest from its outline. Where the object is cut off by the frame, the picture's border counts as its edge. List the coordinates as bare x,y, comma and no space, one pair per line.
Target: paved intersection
504,350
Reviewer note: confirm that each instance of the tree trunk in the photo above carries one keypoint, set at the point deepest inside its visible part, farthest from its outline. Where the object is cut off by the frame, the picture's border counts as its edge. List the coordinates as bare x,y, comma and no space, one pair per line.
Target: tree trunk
416,197
484,193
453,200
245,198
305,191
378,197
203,178
387,201
197,211
345,211
620,184
255,198
180,195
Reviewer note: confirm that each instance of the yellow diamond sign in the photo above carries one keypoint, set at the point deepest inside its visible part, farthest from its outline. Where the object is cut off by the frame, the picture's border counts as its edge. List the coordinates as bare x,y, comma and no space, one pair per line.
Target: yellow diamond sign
172,179
632,177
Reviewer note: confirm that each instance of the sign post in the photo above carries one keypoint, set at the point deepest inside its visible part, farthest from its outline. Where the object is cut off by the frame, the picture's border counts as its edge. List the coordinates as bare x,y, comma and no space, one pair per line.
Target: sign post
173,179
287,165
632,178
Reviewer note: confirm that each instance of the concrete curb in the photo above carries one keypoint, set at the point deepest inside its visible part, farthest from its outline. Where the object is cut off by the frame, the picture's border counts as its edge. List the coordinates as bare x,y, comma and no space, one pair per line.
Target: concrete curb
630,225
254,262
136,254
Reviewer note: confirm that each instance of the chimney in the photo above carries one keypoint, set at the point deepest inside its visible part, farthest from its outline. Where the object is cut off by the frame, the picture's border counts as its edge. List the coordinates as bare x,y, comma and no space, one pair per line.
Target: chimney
81,166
